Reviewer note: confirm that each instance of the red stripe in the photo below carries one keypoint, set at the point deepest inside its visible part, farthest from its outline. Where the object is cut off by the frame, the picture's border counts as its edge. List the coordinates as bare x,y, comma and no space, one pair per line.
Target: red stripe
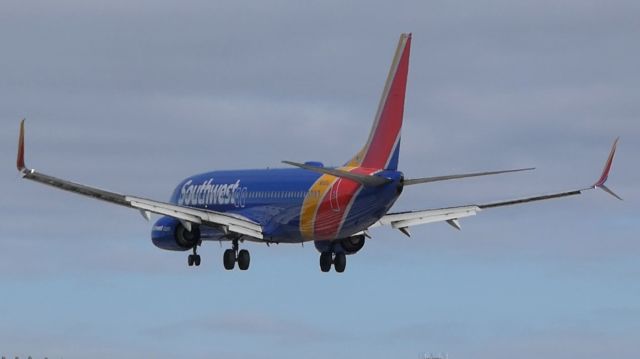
20,159
388,129
333,209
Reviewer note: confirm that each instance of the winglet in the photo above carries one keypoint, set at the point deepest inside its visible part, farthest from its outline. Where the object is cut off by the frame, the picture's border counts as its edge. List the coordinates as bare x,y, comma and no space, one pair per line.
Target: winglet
605,172
20,160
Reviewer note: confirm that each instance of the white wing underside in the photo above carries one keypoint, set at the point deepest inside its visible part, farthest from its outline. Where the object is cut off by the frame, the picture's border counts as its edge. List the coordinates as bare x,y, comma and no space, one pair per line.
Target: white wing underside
227,222
403,220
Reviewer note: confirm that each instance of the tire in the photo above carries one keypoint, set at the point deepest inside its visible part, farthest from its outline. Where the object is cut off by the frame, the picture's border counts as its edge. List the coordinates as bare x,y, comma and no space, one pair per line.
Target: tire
244,259
190,260
325,261
196,260
229,259
340,262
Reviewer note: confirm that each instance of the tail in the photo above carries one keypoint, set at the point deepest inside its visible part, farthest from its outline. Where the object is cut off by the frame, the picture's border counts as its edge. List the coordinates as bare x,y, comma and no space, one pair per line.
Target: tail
382,149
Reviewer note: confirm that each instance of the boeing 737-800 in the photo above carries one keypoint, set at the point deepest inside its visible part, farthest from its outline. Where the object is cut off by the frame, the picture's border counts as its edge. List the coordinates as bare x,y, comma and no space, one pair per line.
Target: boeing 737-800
335,207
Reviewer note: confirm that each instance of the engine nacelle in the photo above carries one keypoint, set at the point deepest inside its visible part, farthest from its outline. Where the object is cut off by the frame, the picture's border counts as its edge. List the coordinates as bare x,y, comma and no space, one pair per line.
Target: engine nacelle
168,233
349,245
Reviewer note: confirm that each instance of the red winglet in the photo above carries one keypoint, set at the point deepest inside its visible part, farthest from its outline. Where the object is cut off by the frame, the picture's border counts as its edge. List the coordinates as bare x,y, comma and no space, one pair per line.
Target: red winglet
607,165
606,170
20,159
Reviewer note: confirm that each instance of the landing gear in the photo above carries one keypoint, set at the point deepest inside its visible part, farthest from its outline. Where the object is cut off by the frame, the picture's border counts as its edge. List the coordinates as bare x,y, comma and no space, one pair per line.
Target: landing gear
229,259
233,255
326,258
194,259
244,259
339,261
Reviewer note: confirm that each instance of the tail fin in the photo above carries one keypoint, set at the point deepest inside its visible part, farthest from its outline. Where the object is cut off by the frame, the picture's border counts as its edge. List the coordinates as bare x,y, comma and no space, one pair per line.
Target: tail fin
383,146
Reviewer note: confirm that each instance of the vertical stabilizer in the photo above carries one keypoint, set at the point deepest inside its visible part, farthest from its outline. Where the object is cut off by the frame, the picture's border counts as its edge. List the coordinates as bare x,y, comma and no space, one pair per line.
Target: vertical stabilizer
383,146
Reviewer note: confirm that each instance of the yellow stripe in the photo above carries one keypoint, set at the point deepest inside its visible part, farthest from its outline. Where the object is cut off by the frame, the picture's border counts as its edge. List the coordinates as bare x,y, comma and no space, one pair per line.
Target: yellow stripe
312,202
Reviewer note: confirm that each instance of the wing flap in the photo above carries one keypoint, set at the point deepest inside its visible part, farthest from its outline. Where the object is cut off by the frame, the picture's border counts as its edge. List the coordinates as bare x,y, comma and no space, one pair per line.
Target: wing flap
428,217
167,212
412,218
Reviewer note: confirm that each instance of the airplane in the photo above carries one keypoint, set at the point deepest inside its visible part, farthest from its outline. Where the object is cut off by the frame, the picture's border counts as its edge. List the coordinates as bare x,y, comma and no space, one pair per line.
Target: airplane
335,207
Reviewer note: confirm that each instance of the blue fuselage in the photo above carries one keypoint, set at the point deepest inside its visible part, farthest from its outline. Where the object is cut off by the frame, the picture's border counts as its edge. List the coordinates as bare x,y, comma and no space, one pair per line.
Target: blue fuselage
274,198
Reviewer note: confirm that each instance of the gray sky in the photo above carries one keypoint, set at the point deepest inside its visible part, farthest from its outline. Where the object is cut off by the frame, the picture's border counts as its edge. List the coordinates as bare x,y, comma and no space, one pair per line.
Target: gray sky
135,95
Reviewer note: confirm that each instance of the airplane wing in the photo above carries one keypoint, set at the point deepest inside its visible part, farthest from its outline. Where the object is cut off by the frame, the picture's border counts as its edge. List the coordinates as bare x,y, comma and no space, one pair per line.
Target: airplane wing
187,215
403,220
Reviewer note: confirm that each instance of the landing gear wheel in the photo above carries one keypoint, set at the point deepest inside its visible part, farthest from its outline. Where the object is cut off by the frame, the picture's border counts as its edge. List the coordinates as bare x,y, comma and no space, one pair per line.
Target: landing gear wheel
340,262
244,259
325,261
194,259
229,259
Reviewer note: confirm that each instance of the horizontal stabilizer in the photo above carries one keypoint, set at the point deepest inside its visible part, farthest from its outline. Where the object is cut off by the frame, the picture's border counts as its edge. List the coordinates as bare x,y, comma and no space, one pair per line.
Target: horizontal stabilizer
408,182
365,180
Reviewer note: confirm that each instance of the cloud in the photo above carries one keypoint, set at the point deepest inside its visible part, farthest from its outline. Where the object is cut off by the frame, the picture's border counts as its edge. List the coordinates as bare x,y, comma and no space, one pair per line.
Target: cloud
252,325
134,96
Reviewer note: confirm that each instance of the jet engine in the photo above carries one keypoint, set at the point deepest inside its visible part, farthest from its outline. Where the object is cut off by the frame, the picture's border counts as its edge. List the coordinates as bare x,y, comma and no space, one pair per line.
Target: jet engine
168,233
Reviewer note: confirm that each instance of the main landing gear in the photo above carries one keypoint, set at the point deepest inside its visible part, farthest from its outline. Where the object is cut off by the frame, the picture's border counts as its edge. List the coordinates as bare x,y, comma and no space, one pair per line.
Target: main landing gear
339,261
229,259
233,255
194,259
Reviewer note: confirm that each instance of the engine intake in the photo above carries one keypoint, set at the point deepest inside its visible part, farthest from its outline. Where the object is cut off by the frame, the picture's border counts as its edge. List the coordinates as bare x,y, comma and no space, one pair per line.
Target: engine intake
352,244
168,233
349,245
